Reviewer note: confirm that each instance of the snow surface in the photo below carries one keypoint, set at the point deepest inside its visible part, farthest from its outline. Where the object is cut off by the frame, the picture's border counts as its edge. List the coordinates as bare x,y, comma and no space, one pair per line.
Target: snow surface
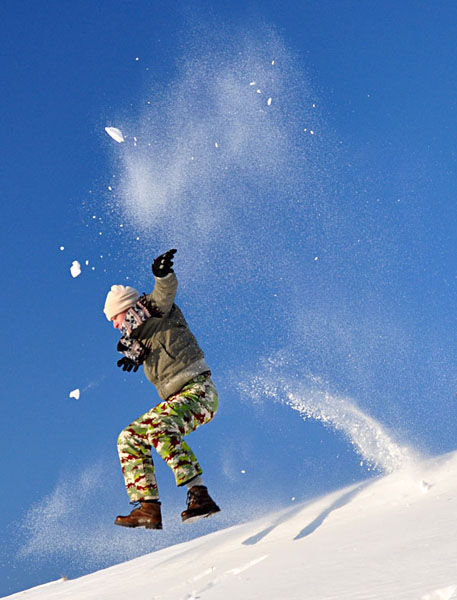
391,538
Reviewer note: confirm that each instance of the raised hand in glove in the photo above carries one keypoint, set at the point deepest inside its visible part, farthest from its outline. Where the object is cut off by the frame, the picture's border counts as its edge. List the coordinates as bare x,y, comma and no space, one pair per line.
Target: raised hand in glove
162,265
126,364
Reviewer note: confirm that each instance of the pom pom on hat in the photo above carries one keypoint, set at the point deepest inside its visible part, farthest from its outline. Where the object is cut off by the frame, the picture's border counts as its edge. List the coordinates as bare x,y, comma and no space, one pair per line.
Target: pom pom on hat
118,299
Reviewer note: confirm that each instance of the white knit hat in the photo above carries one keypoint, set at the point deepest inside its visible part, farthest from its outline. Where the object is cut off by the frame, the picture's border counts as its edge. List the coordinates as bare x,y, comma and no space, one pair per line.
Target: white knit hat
118,299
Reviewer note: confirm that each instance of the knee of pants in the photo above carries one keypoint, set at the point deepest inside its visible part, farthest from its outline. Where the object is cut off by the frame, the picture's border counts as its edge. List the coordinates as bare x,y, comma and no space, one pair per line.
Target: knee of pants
124,437
163,429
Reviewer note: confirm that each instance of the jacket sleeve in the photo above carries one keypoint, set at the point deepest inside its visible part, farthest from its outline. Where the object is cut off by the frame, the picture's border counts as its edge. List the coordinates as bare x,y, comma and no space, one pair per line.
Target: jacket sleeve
164,293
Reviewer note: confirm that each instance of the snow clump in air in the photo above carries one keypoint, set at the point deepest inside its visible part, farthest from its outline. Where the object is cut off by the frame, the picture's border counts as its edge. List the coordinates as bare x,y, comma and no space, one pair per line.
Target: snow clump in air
116,134
75,269
75,394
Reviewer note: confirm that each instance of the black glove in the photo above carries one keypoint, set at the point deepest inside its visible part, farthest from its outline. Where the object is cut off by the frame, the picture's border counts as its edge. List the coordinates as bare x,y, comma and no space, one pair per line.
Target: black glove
161,267
126,364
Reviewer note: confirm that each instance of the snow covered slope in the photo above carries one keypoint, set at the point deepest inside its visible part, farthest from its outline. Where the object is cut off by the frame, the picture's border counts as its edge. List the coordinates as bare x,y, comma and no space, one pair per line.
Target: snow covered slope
392,538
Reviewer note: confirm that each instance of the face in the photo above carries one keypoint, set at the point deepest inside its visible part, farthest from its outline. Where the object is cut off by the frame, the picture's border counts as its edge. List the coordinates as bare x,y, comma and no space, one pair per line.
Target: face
118,319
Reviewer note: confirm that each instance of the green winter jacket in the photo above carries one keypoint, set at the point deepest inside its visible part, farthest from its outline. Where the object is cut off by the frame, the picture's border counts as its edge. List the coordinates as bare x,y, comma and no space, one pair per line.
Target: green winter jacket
175,356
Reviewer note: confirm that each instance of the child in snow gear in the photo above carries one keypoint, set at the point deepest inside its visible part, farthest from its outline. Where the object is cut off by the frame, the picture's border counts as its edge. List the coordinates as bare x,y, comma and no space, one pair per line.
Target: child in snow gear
155,334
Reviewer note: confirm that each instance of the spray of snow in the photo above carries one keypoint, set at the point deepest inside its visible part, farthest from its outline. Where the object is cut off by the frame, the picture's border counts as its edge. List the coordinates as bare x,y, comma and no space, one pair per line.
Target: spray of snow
209,146
75,522
68,522
310,397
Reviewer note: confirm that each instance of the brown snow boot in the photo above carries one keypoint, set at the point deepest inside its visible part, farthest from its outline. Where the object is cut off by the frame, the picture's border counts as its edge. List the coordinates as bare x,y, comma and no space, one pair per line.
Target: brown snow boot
147,515
199,504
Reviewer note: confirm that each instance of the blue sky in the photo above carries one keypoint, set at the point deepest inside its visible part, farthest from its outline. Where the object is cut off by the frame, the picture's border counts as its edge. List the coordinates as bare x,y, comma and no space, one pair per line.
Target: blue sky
323,261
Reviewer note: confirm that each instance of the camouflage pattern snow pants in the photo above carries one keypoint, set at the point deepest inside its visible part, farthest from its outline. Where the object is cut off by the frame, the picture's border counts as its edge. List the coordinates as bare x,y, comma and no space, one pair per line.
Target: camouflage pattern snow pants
164,427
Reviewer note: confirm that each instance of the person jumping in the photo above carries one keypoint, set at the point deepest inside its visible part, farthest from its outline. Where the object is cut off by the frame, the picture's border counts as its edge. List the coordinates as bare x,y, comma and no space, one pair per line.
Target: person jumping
155,334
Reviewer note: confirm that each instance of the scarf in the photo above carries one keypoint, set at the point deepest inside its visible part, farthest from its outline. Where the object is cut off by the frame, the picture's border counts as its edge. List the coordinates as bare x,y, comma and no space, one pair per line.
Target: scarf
134,317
